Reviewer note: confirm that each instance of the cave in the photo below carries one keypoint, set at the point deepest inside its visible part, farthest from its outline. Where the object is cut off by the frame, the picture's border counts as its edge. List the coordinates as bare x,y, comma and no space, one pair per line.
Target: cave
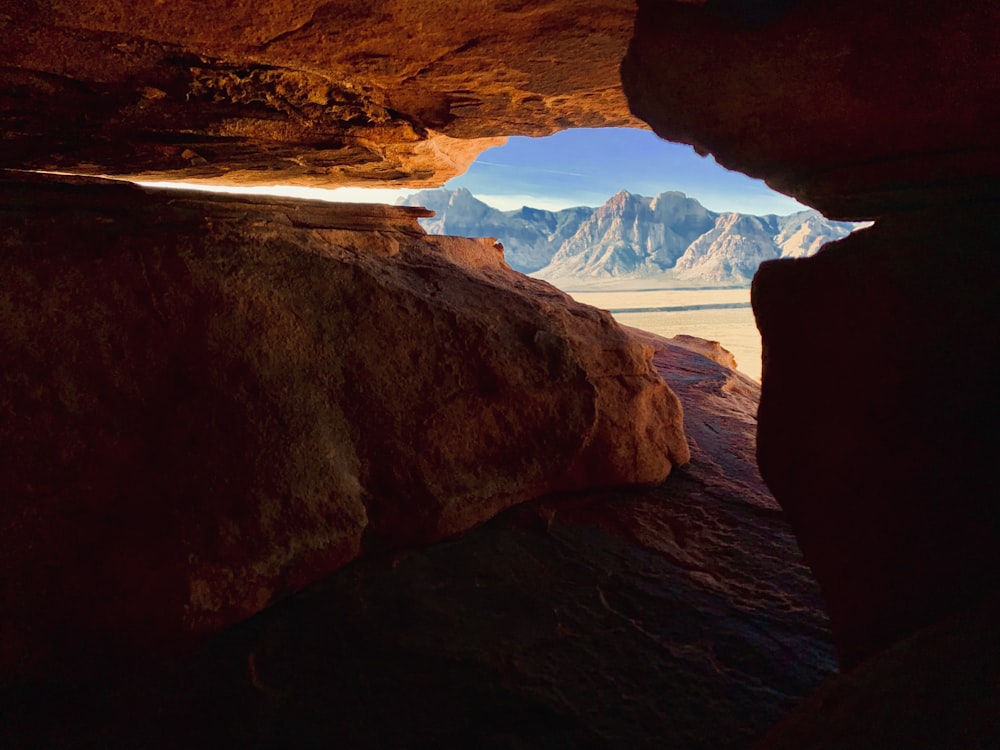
279,473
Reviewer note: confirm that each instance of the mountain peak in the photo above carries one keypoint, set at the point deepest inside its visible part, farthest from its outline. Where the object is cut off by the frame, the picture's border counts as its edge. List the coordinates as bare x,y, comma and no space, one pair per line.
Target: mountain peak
673,196
632,235
619,203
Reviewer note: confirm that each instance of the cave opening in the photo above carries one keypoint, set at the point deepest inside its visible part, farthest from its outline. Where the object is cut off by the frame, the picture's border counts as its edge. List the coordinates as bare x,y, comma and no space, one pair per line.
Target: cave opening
208,405
665,239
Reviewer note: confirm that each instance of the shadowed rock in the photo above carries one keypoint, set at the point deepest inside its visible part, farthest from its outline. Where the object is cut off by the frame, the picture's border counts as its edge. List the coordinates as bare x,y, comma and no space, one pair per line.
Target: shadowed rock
676,616
854,117
208,402
877,417
875,406
935,689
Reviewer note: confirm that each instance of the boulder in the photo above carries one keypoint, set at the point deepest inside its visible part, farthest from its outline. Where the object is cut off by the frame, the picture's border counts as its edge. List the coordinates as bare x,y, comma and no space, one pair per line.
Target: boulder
674,616
711,349
877,418
208,402
853,107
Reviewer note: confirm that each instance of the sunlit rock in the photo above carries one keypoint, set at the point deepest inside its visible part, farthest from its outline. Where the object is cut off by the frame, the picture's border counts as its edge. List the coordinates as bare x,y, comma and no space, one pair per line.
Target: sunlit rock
315,92
210,401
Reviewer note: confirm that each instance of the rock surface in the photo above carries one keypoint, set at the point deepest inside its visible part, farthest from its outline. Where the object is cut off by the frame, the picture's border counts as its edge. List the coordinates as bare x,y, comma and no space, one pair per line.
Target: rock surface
853,107
306,92
679,616
939,688
208,402
711,349
878,416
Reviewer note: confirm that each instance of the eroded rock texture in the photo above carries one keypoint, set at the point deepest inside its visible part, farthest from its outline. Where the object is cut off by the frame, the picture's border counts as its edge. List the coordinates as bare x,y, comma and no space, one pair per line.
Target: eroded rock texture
878,418
208,402
679,616
936,689
308,92
854,107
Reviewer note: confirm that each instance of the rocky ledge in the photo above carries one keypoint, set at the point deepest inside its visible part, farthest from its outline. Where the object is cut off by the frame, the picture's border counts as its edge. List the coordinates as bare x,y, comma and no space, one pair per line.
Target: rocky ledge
208,402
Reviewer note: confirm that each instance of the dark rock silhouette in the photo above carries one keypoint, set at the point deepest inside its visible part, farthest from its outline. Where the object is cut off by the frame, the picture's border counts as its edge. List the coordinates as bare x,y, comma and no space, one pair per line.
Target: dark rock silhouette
676,616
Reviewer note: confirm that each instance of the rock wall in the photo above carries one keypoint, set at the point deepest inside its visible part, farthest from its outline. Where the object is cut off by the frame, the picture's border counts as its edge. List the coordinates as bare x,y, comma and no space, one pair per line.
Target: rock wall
208,402
855,108
877,407
877,415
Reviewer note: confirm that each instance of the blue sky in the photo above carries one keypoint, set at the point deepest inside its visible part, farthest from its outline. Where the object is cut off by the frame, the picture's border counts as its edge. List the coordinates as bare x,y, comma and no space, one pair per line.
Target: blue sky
585,167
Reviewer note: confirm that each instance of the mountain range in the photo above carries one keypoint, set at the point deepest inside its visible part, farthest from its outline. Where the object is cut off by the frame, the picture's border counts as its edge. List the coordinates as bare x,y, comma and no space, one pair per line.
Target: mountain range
670,236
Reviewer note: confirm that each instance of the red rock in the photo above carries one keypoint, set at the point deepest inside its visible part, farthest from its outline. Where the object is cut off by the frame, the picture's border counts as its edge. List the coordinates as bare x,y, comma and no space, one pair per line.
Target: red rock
211,401
312,92
877,416
876,410
934,689
711,349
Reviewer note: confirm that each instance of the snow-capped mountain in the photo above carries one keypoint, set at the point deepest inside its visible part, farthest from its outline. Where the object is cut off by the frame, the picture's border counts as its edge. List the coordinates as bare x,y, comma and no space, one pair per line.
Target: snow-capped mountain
803,233
629,235
531,236
730,251
632,236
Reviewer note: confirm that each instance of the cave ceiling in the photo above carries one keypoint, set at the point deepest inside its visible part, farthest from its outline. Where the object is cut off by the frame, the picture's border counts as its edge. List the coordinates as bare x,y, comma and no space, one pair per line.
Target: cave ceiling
856,108
374,93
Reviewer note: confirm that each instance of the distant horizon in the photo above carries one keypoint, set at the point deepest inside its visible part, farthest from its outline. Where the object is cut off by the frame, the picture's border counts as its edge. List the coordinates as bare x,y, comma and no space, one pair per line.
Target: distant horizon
518,207
394,196
578,167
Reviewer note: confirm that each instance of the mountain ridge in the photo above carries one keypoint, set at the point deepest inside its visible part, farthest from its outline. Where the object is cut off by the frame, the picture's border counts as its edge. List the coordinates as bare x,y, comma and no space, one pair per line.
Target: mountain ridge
669,236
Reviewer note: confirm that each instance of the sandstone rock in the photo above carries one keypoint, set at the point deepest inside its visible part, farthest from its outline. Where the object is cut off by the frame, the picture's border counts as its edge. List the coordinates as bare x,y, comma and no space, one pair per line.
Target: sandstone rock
853,107
312,92
208,402
679,616
878,415
711,349
935,689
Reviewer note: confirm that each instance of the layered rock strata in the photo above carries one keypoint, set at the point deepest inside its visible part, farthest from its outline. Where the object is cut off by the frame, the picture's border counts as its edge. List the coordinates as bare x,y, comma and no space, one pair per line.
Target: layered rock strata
210,401
311,92
676,616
